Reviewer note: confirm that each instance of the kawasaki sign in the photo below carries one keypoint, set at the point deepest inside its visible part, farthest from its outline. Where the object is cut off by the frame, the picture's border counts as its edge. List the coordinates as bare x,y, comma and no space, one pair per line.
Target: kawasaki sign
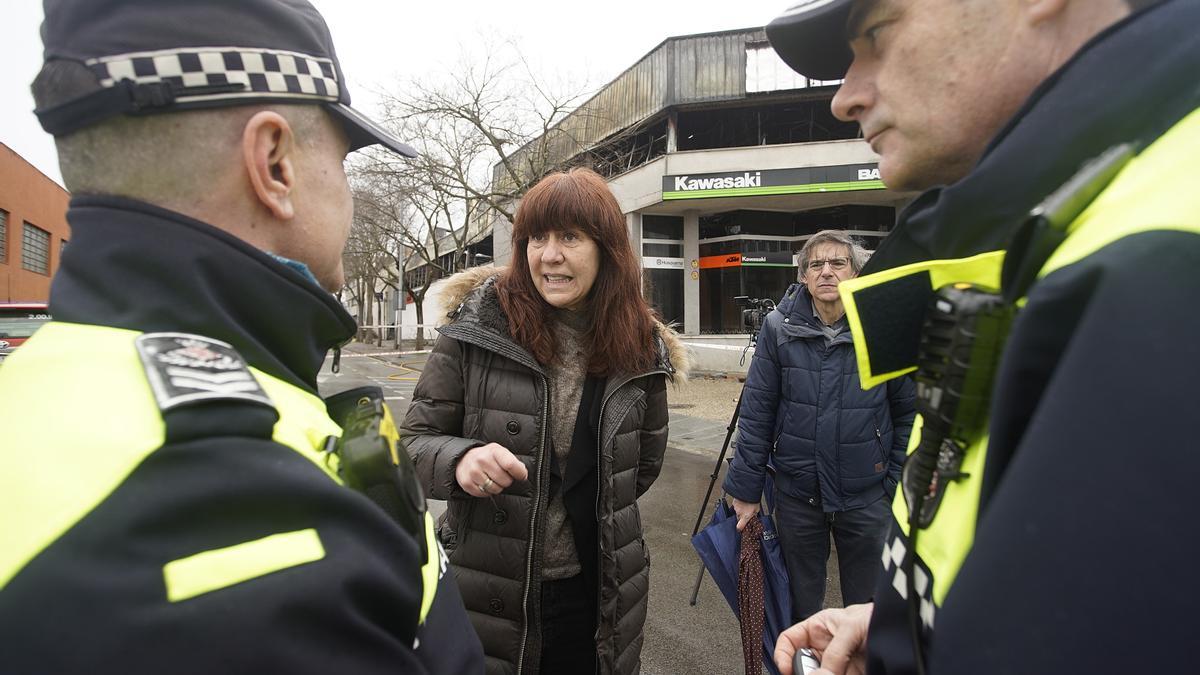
773,182
769,259
746,180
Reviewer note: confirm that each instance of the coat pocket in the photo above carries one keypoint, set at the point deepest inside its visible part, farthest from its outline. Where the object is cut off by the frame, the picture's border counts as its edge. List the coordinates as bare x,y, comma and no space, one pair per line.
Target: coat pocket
882,464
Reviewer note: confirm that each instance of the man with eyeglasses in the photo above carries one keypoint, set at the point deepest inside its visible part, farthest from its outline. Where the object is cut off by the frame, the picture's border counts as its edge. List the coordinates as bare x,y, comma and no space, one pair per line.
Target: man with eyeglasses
835,448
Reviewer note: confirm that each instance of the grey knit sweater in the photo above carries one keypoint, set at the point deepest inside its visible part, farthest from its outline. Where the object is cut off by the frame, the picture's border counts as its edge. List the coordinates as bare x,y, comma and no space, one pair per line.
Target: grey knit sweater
567,377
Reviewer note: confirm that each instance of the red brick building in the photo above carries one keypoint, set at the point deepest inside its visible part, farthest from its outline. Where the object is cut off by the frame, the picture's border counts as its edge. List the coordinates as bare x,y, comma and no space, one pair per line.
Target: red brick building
33,229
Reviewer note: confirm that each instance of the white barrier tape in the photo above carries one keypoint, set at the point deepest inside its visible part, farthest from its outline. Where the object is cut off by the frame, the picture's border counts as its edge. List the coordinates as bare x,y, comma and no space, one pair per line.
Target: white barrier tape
351,355
701,345
402,326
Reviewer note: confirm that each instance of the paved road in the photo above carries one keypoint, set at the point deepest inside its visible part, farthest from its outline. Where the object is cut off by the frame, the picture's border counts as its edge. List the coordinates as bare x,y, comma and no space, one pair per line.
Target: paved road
393,372
680,639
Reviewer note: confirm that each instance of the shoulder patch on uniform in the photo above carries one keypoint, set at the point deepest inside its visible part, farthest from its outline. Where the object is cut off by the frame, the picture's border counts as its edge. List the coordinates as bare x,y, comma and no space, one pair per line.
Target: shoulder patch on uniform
184,369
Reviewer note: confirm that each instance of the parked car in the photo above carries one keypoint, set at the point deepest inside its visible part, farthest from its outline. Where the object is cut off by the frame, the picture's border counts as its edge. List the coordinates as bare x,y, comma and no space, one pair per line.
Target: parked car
18,321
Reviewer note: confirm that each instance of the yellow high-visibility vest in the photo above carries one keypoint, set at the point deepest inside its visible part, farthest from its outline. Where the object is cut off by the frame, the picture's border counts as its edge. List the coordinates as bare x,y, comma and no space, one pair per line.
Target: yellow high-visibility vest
1149,193
58,470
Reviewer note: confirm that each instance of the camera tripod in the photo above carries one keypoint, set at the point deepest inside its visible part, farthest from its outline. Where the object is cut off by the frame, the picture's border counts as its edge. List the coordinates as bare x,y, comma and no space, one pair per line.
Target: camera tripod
712,478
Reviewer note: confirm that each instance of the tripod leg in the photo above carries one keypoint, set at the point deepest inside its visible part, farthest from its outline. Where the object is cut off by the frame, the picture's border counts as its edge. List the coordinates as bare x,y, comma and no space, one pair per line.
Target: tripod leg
717,467
712,480
696,588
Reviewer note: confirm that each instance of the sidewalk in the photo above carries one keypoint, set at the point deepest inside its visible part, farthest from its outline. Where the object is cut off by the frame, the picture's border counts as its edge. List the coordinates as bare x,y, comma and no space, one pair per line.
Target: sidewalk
696,434
708,402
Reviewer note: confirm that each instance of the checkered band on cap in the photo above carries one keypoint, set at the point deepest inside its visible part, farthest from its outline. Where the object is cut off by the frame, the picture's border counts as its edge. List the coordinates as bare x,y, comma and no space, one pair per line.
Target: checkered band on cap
278,74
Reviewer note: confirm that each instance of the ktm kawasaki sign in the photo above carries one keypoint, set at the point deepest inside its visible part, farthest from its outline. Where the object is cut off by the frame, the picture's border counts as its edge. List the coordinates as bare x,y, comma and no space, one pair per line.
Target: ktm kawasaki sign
773,182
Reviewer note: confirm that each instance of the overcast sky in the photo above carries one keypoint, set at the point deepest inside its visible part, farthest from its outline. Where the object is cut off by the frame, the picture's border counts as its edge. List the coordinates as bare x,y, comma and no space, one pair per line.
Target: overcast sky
386,41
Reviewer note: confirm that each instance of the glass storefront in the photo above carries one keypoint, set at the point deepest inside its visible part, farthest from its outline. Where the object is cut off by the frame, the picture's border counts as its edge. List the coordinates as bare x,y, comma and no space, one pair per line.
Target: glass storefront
663,289
751,253
719,313
663,266
748,253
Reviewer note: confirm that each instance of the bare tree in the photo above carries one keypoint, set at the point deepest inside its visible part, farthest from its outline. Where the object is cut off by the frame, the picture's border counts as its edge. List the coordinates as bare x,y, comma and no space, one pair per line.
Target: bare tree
470,123
374,251
408,216
485,130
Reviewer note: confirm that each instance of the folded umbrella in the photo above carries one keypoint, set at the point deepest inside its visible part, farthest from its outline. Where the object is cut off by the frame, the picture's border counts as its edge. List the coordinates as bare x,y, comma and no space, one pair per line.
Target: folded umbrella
751,610
719,546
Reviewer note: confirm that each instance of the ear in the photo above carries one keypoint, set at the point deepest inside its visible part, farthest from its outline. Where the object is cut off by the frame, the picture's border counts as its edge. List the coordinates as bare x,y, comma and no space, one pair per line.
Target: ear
1039,11
268,152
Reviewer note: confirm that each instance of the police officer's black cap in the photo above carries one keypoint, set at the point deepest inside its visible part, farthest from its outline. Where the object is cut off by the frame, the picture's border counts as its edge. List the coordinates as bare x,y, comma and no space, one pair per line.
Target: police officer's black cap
152,56
810,36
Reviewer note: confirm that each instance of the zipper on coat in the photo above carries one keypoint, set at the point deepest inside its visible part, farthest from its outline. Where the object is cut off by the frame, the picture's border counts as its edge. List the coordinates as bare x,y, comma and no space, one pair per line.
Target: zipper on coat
599,530
600,424
599,486
537,500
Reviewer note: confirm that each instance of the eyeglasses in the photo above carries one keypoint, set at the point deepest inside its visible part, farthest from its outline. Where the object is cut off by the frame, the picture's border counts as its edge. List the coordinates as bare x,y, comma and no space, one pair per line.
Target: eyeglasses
835,263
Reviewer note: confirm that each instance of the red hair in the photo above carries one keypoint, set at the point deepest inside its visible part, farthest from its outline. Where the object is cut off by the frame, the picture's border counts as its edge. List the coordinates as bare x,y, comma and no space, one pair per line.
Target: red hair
622,324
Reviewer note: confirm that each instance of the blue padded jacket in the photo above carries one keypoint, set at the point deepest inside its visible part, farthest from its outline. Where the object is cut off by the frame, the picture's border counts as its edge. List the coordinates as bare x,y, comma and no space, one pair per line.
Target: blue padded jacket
803,411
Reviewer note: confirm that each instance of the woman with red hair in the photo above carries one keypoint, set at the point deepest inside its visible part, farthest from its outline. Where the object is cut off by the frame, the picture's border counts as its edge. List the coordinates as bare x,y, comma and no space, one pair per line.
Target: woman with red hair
541,417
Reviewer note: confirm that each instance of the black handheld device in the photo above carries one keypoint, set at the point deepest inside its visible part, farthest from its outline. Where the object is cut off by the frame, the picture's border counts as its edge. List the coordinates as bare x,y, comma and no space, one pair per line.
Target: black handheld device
373,460
961,341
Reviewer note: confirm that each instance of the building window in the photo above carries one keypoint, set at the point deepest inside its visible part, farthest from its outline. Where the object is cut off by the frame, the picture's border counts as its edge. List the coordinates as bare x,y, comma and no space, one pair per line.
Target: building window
663,290
659,248
662,227
3,236
35,249
765,71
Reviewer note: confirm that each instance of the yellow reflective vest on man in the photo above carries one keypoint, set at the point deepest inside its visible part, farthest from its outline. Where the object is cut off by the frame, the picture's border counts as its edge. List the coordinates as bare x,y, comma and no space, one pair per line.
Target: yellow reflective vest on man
171,503
1068,539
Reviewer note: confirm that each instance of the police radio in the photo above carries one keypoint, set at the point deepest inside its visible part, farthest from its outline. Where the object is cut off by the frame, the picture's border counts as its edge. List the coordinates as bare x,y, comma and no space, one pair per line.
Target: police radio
373,460
962,338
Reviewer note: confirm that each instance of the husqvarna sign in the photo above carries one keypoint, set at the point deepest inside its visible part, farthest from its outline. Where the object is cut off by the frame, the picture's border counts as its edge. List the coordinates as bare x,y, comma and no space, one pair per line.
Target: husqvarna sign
772,182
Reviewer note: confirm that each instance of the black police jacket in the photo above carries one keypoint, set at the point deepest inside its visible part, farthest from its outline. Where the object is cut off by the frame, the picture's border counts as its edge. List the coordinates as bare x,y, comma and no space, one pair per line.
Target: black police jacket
102,595
1083,554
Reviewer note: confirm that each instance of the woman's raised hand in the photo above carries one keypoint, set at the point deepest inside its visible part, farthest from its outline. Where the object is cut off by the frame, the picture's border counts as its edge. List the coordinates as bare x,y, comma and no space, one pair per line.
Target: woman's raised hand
488,470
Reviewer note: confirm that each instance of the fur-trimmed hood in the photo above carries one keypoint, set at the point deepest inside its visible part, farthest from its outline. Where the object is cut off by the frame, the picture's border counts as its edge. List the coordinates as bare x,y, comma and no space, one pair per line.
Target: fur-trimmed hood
472,292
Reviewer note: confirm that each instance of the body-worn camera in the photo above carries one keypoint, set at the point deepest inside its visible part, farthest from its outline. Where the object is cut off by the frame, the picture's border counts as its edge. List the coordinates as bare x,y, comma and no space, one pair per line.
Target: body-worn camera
962,339
754,311
374,461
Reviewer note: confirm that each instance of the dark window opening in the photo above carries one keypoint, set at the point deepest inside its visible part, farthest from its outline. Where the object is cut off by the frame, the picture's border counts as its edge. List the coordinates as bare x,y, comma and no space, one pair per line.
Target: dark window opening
35,249
629,150
663,289
3,236
662,227
792,122
846,217
663,250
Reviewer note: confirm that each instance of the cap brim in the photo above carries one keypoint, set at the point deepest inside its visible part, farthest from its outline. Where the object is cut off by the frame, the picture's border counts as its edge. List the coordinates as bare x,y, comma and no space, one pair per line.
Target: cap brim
811,38
363,131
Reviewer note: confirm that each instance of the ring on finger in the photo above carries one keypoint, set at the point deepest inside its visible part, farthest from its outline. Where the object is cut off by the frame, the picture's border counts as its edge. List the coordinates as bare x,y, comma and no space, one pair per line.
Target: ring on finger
486,484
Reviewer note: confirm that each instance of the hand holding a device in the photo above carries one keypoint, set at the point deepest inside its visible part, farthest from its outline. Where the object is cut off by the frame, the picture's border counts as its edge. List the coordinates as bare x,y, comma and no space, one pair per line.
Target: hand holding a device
837,637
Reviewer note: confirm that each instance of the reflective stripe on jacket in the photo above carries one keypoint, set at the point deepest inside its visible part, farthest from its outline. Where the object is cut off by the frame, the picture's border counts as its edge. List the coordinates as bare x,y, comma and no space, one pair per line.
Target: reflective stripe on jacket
219,525
1149,195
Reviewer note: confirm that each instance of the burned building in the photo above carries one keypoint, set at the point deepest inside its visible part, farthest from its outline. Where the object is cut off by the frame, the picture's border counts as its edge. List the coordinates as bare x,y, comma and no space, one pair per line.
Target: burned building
725,162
